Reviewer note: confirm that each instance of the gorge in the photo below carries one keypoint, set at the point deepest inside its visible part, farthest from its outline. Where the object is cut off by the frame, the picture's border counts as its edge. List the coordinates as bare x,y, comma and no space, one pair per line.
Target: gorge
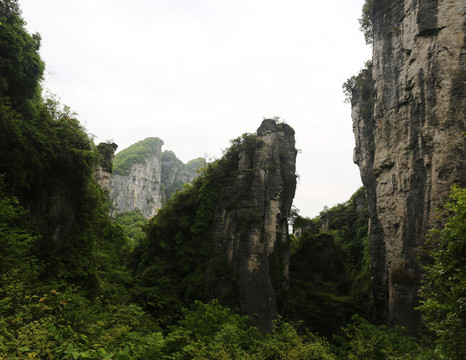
140,256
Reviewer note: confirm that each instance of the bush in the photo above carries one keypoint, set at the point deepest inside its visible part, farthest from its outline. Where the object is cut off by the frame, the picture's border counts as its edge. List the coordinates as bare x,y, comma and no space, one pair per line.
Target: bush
444,288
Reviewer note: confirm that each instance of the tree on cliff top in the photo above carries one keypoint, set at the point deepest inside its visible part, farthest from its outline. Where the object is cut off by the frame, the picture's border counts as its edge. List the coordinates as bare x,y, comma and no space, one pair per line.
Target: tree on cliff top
366,21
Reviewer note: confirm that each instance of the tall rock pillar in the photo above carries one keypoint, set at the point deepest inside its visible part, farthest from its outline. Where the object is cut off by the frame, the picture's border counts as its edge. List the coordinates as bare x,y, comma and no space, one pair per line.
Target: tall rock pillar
251,255
408,114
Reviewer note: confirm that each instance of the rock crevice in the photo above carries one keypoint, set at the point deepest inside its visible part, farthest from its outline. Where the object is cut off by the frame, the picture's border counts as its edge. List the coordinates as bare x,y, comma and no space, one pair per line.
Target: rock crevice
410,146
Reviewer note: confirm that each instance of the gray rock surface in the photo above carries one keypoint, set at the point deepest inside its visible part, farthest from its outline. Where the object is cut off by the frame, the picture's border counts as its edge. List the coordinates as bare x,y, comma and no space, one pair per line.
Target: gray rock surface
408,119
140,189
251,225
175,173
150,180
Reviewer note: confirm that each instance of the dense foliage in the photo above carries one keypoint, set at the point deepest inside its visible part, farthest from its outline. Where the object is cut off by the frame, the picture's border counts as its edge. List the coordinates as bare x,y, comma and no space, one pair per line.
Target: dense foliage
444,290
329,277
135,154
171,163
171,261
134,225
366,21
65,291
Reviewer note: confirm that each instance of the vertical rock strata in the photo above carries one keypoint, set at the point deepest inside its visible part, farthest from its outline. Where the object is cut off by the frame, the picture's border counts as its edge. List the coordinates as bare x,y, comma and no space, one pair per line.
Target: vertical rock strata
140,189
251,257
408,114
145,177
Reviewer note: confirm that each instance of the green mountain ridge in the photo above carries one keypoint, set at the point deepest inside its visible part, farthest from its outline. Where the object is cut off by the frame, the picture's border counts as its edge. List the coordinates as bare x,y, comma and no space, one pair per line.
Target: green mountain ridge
136,154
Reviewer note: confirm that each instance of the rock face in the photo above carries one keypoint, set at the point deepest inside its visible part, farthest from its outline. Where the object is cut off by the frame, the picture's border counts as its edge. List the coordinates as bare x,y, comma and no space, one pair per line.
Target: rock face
104,169
140,189
175,173
251,225
144,177
408,112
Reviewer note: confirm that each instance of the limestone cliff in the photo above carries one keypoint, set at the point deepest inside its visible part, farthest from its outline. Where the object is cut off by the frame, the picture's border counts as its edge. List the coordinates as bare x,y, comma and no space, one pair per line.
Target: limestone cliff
408,112
136,180
144,177
250,226
175,173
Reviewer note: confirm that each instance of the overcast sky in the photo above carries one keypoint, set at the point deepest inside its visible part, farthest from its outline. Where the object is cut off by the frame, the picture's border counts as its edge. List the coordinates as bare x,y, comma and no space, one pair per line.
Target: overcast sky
197,73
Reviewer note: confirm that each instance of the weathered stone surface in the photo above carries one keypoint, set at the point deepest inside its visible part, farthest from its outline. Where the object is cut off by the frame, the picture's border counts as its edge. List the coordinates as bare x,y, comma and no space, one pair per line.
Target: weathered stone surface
150,181
408,120
140,189
251,227
175,173
103,169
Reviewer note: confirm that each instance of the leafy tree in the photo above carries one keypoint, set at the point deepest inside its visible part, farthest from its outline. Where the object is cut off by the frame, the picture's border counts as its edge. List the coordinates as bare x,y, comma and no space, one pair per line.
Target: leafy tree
134,225
21,67
47,167
360,85
366,21
329,267
362,340
444,289
16,238
211,331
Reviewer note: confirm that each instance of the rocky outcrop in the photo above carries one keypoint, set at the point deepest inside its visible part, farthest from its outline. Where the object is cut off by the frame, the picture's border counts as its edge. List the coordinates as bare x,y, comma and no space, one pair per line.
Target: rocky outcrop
140,190
135,183
408,112
175,173
145,177
251,224
104,168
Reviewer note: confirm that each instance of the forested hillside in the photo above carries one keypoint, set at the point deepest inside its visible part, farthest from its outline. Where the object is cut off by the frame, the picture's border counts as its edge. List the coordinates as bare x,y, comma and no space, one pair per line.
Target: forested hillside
75,284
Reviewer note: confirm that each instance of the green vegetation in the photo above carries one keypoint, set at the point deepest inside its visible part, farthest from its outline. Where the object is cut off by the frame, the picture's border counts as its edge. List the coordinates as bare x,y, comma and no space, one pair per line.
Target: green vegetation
361,87
444,290
366,21
169,155
134,225
136,154
76,285
106,151
171,261
329,274
362,340
196,164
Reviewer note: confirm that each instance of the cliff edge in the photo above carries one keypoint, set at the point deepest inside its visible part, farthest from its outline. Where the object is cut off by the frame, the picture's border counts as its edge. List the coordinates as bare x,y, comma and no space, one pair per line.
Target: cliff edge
408,110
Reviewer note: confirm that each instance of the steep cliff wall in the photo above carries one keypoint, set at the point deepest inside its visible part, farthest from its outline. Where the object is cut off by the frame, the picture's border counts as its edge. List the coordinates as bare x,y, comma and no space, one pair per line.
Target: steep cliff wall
408,114
175,173
136,180
140,189
144,177
250,226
